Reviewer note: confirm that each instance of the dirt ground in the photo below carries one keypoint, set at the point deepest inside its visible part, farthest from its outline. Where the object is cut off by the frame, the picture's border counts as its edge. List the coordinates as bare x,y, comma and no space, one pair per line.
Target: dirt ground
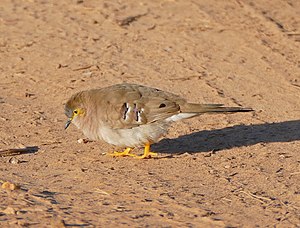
238,170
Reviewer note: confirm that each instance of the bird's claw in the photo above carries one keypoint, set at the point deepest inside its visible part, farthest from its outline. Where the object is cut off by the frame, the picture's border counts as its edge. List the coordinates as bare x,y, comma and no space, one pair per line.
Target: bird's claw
125,153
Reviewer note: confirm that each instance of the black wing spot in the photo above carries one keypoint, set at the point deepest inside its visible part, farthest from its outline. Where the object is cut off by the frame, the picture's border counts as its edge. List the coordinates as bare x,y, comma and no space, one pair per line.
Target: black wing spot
136,112
125,109
162,105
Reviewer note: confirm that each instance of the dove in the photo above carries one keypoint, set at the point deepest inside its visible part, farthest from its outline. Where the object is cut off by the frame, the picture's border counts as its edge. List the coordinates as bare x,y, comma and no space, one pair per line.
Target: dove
131,115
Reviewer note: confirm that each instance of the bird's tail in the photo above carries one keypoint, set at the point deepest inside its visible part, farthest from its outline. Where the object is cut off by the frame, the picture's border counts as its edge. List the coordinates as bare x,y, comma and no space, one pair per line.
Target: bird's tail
211,108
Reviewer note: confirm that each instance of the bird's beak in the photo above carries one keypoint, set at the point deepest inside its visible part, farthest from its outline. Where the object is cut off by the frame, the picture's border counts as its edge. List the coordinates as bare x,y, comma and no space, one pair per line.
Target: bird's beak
68,123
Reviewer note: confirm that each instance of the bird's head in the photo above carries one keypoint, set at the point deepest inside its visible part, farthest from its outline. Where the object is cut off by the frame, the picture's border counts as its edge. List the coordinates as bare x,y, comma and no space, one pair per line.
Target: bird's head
74,109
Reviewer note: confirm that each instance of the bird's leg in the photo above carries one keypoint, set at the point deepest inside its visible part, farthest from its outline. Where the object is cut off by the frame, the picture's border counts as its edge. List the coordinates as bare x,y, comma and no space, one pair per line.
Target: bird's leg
125,153
147,153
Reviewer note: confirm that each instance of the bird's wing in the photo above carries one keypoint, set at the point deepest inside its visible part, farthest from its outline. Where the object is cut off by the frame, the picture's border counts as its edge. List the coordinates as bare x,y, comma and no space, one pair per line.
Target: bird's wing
130,105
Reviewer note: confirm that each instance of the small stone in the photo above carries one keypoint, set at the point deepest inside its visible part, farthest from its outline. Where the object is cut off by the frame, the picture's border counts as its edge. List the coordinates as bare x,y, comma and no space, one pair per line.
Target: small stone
61,66
9,186
83,140
14,160
84,169
87,74
80,140
9,211
5,185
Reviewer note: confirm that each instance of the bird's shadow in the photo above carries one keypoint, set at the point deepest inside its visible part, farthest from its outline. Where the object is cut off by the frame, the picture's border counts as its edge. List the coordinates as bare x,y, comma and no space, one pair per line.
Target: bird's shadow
229,137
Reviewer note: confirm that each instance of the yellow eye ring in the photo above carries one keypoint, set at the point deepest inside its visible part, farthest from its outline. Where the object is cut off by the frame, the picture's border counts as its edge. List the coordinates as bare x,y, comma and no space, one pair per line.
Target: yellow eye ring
75,112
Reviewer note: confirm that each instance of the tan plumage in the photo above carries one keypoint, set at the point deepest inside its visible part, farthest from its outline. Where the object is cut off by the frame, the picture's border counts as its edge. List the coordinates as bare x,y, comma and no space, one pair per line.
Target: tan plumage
132,115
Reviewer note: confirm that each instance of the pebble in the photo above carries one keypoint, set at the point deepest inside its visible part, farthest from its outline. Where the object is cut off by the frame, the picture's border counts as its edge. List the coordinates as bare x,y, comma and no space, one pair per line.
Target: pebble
9,186
9,211
14,160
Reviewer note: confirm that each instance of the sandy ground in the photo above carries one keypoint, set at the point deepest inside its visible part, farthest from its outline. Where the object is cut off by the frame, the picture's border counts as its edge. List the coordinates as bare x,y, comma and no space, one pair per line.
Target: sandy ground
240,170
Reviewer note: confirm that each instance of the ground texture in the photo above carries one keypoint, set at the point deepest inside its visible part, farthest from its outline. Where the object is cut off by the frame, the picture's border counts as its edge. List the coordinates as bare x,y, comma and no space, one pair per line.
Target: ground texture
212,171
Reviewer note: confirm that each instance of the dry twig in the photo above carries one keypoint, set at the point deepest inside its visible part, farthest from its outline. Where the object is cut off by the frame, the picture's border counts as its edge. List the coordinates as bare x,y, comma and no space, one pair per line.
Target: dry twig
260,198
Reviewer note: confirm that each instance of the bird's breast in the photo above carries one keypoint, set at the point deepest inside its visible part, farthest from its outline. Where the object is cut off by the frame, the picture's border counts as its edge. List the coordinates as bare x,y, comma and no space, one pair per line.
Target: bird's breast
132,137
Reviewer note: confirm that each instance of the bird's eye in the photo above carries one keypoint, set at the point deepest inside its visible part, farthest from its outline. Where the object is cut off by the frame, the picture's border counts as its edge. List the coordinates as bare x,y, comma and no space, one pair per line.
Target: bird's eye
75,112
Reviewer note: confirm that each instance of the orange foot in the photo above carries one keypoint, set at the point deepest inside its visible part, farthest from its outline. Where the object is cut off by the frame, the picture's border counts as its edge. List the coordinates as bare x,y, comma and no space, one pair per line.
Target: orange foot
147,153
125,153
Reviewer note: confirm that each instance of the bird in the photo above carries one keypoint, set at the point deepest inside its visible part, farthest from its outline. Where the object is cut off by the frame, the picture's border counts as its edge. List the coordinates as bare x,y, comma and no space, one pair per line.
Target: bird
132,115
